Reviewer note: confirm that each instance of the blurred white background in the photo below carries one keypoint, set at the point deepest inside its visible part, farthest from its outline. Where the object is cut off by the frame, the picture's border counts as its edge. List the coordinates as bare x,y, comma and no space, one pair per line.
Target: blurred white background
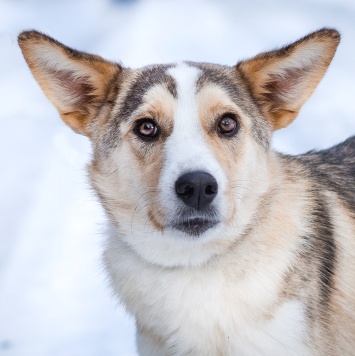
54,299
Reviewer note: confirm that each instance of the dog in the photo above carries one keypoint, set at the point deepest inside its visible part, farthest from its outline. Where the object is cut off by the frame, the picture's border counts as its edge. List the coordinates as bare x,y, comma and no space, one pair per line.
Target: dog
216,244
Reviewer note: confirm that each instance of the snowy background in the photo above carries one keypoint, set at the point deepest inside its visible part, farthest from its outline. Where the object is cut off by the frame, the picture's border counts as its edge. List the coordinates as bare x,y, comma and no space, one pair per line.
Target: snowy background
54,299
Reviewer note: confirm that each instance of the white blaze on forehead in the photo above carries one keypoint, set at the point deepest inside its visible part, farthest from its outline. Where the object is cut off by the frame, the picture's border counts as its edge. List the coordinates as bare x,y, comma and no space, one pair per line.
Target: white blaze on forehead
186,115
186,150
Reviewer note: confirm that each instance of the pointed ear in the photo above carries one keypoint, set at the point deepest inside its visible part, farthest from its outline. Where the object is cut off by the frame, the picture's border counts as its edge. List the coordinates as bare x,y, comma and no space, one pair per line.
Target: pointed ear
76,83
282,80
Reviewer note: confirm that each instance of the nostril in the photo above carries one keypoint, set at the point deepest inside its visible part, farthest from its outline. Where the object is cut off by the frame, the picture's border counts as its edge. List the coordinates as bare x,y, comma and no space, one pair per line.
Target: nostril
210,190
185,190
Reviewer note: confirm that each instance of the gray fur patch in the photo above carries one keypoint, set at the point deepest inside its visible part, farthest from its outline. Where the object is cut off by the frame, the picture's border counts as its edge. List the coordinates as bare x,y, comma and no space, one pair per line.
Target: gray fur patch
229,79
146,78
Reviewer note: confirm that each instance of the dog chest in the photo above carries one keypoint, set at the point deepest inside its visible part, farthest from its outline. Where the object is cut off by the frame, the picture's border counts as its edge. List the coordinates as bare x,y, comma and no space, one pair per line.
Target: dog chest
207,310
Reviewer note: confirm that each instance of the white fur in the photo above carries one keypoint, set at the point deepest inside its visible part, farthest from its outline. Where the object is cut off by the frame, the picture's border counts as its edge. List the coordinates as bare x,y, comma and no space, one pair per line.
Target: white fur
233,290
54,59
170,282
54,62
186,149
173,303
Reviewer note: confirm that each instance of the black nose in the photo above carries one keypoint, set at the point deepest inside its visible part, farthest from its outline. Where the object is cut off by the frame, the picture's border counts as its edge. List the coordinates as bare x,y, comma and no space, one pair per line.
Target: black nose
196,189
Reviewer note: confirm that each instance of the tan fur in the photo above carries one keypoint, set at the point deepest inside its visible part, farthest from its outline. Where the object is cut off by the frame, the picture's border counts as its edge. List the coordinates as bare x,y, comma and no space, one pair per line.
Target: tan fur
275,276
76,83
231,154
272,74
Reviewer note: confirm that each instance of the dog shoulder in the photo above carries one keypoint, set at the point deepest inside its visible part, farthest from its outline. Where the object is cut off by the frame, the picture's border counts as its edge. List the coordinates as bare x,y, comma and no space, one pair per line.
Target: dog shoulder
327,263
334,169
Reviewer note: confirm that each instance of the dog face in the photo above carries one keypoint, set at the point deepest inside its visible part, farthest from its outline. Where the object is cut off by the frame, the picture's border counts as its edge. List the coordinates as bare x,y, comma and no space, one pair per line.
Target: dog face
188,152
181,157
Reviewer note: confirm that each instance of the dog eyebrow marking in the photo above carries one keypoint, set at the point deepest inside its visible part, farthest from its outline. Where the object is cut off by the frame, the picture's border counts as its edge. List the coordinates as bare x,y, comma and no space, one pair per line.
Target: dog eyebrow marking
147,78
229,79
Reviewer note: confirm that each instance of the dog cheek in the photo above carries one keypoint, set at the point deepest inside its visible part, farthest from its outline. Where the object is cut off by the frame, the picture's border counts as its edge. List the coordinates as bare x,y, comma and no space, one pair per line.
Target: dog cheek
150,179
238,160
227,155
145,166
115,180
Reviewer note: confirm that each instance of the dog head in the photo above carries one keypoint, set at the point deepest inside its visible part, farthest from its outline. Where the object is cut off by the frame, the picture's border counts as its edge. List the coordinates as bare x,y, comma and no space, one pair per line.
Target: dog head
181,152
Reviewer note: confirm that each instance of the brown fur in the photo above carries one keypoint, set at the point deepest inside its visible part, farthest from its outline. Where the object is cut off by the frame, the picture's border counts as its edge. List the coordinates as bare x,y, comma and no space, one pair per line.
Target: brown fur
289,224
86,85
269,80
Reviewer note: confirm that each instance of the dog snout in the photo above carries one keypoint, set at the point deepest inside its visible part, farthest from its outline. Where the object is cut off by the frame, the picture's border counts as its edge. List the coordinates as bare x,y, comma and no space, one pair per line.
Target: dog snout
196,189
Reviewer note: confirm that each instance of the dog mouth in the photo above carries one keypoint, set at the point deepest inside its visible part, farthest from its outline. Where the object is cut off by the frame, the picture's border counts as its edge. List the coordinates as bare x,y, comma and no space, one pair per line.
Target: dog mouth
194,226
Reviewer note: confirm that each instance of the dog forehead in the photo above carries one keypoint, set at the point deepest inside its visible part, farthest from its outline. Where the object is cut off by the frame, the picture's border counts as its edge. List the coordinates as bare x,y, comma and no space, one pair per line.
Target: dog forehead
140,81
185,77
180,80
183,82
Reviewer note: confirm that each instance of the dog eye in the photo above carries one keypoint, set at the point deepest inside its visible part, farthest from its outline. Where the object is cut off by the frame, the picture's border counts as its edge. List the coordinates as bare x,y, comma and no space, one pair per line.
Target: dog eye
146,129
228,125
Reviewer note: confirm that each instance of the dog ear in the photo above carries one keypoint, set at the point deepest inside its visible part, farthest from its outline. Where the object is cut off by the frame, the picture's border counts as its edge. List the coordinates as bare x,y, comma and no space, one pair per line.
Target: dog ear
75,82
282,80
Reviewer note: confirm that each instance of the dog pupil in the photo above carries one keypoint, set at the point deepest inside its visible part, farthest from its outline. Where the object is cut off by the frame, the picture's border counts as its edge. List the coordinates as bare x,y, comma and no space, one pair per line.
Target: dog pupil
227,125
148,128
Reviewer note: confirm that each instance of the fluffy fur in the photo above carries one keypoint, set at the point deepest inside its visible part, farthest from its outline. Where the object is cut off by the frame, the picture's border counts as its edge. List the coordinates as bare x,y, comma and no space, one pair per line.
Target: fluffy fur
268,267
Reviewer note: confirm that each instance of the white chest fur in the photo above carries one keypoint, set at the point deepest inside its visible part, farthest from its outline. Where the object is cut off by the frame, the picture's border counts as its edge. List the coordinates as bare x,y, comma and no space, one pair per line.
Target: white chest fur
210,310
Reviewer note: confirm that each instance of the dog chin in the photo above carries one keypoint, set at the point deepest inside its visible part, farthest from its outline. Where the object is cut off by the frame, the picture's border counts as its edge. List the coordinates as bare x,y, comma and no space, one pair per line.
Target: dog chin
194,227
175,246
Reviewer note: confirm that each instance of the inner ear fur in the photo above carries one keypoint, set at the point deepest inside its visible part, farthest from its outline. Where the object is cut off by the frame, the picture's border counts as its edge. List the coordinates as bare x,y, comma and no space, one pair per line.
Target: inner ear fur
282,80
77,83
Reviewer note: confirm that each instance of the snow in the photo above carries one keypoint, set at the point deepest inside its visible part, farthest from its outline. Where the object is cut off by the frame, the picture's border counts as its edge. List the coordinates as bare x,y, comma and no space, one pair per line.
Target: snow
54,298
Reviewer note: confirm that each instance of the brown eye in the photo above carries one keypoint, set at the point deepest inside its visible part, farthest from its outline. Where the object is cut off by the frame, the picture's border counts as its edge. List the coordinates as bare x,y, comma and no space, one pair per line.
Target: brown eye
146,129
228,125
